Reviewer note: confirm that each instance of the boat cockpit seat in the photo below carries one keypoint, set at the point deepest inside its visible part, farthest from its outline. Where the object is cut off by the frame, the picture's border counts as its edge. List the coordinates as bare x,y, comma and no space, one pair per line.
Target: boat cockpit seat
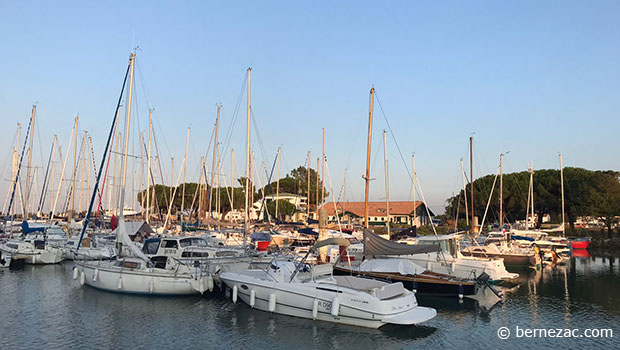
322,270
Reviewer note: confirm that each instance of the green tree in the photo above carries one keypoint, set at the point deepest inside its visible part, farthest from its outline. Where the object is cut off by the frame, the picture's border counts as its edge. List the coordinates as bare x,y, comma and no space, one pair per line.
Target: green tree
284,208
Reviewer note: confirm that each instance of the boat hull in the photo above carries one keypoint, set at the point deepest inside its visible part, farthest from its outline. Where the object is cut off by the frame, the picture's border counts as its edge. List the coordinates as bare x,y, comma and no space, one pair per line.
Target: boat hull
300,302
463,267
509,259
580,244
135,282
418,284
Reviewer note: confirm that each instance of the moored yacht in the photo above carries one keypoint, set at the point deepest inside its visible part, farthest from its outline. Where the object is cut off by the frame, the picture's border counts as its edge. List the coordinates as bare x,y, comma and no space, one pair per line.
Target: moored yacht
297,289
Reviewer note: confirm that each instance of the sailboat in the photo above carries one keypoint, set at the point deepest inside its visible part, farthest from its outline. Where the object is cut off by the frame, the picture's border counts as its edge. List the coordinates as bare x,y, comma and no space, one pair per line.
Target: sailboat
132,271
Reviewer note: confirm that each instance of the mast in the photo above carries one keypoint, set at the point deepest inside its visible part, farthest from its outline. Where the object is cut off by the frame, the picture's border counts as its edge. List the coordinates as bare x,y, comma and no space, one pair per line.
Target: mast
367,178
184,175
148,168
317,187
278,181
562,187
501,192
28,169
127,128
471,179
247,161
143,180
75,130
308,194
232,181
92,200
213,165
83,161
171,178
415,207
45,179
323,172
62,176
387,187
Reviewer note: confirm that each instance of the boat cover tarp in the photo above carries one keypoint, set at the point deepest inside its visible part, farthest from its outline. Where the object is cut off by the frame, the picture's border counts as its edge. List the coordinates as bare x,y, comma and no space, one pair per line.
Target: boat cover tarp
260,236
308,231
376,245
401,266
122,236
27,229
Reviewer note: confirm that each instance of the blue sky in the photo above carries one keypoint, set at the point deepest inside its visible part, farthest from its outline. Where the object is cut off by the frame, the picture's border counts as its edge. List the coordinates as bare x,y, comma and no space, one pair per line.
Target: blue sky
533,78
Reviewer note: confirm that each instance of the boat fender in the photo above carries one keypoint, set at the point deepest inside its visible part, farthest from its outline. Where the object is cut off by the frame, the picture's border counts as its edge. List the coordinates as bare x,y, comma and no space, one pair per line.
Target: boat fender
272,302
120,283
252,298
75,273
335,306
415,287
234,294
210,283
315,309
201,286
452,266
95,275
151,286
82,278
460,291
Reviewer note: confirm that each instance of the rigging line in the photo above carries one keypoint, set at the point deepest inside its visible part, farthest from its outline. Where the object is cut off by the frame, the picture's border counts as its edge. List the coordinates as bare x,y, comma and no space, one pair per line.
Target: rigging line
17,176
43,188
10,155
235,114
393,137
331,187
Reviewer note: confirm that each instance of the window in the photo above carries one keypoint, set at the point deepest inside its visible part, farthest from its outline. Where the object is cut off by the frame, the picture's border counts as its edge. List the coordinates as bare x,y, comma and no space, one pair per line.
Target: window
171,244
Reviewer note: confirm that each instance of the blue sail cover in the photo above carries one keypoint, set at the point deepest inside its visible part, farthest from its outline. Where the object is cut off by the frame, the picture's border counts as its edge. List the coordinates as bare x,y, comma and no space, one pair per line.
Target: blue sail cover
26,229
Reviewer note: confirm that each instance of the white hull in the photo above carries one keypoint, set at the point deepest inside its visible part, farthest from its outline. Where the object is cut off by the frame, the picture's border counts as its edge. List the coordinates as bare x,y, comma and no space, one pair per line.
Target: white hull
463,267
316,301
103,275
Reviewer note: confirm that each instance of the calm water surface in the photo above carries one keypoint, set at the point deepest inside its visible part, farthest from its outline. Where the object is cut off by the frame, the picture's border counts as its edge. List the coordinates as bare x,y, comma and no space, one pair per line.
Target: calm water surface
43,307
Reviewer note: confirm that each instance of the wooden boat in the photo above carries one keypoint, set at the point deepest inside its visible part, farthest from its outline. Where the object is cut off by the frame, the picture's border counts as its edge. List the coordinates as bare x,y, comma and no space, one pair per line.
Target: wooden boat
426,282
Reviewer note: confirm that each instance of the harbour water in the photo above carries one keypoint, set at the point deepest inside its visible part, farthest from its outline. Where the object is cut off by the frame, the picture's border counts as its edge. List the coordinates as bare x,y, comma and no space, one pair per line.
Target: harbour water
43,307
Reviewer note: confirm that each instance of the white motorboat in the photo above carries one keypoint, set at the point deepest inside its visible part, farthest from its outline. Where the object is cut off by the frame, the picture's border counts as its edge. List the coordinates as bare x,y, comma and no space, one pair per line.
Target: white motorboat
36,251
450,261
296,289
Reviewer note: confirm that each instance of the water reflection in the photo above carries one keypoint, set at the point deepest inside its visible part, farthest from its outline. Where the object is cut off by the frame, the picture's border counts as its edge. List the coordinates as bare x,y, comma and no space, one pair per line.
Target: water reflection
44,305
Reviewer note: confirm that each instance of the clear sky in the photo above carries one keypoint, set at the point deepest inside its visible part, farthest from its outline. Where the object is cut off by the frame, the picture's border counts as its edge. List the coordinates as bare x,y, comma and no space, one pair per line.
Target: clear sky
530,77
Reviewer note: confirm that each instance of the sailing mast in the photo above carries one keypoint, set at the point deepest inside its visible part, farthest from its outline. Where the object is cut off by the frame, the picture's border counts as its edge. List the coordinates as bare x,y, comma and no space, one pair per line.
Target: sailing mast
367,178
45,179
471,179
562,186
232,182
247,162
127,128
501,192
92,199
75,130
148,168
215,152
387,187
323,172
28,169
184,175
308,194
16,182
278,181
415,207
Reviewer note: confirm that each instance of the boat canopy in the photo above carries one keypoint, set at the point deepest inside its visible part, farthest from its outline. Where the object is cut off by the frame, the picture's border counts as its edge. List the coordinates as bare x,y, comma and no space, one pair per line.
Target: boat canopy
376,245
400,266
331,241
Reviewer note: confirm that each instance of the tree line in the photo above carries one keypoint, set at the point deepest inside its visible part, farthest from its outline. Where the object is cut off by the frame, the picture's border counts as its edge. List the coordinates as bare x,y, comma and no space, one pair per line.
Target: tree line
586,192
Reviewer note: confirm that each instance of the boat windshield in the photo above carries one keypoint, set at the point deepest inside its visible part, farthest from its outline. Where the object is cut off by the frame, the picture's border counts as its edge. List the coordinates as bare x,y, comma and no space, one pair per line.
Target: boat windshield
194,242
448,246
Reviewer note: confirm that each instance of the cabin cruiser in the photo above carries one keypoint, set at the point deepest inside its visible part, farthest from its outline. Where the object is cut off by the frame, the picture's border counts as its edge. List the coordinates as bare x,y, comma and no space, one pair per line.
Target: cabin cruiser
498,245
35,251
297,289
450,261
